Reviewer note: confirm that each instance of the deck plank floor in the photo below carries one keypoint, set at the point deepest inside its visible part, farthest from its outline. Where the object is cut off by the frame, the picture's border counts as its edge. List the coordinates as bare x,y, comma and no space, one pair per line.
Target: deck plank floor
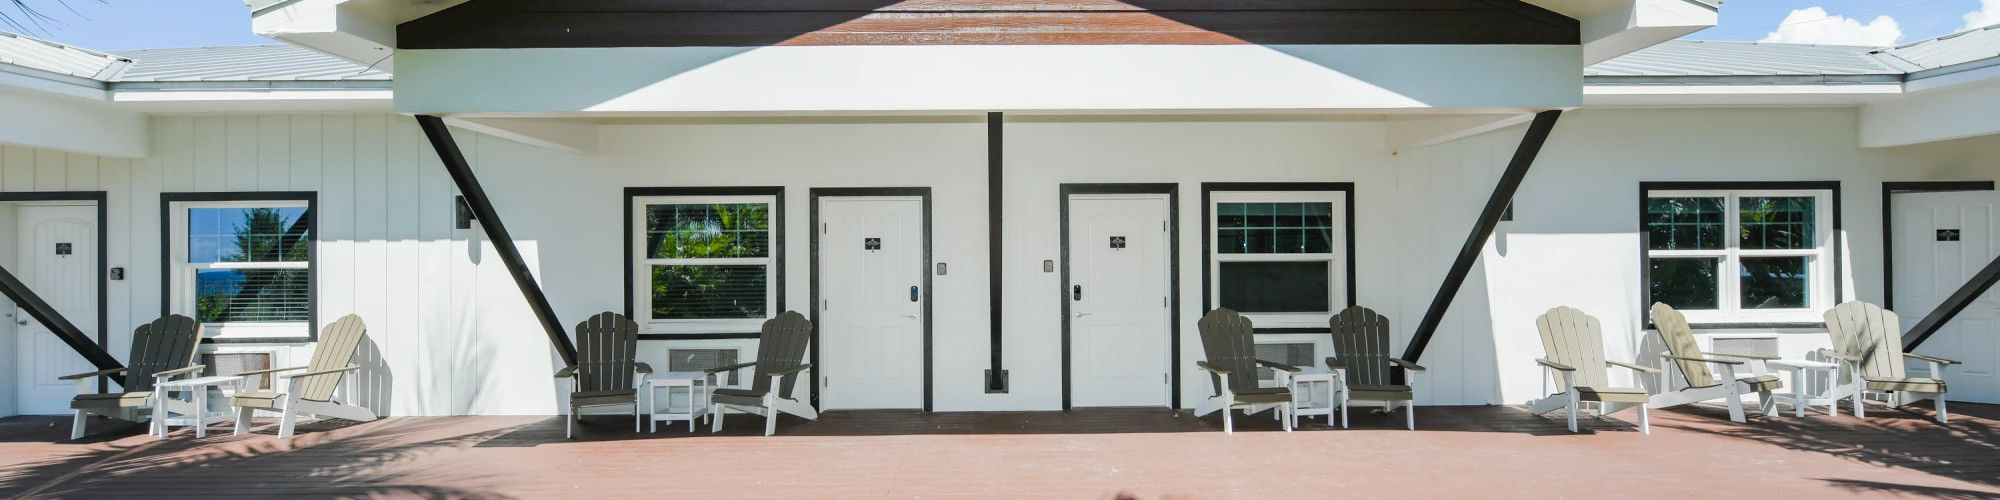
1465,452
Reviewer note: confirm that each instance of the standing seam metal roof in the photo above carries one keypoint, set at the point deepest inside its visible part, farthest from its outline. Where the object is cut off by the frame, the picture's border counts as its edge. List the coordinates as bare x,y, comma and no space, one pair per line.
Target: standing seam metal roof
242,63
58,58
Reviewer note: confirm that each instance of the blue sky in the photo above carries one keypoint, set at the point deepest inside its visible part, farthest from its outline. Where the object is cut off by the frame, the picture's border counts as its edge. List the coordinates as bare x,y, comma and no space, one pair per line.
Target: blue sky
135,24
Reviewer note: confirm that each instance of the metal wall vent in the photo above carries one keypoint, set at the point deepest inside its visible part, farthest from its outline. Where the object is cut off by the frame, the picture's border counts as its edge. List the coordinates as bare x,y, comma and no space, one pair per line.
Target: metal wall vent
1759,346
694,360
217,363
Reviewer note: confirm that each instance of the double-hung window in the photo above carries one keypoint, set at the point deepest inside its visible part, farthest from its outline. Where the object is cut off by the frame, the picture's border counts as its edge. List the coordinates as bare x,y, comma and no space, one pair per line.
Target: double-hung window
704,264
1279,257
1728,256
242,268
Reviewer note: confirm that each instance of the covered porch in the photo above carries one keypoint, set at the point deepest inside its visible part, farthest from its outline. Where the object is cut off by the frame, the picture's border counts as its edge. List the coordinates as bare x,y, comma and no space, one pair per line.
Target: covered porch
1464,451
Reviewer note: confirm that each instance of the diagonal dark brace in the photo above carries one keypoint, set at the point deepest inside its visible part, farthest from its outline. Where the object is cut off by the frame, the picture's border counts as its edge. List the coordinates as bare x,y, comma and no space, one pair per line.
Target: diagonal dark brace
55,322
482,210
1954,304
1482,229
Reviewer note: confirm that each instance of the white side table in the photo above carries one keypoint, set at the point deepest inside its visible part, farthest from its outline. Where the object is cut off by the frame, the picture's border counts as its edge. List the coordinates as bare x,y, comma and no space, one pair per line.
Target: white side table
1802,371
1309,380
697,390
195,389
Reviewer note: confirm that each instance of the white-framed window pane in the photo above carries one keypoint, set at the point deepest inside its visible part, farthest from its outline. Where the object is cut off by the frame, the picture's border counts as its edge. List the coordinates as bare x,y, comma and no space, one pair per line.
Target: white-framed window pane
708,230
1276,287
1686,283
252,295
1776,282
1776,222
709,291
249,234
1274,228
1685,223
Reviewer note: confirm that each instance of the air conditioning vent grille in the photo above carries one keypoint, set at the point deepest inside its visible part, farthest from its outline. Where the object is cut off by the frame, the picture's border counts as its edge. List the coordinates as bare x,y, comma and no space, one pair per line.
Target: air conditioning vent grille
225,363
1756,346
694,360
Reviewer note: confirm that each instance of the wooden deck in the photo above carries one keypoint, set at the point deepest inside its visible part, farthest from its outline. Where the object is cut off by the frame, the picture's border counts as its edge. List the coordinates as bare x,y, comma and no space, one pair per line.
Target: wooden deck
1467,452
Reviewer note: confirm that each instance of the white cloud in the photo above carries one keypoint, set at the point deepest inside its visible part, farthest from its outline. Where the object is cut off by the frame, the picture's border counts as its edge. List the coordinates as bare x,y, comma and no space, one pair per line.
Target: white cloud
1987,15
1813,25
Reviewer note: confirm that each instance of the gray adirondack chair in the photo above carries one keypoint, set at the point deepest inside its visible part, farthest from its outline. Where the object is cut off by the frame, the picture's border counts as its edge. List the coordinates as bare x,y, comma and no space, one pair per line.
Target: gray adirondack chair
311,392
1703,385
161,350
774,387
1868,344
1361,354
1230,342
1575,345
607,371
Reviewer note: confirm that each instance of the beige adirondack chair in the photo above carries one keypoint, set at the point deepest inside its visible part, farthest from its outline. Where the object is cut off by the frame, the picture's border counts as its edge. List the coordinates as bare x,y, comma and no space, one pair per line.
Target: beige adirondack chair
1361,353
161,350
1229,340
311,392
781,353
1703,385
607,372
1868,344
1574,342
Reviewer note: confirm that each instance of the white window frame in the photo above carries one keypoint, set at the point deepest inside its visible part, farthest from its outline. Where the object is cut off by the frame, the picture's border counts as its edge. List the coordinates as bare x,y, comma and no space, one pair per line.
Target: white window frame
1336,259
642,268
1820,291
184,273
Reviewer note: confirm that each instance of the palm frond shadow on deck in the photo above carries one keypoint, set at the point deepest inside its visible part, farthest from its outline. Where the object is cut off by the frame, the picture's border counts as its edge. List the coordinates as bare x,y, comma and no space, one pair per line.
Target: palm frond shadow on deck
1904,438
381,458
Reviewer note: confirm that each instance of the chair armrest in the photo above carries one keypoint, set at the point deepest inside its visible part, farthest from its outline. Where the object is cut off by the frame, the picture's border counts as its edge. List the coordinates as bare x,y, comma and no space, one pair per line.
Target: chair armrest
1703,360
731,368
1407,365
1932,359
322,372
1333,363
179,371
641,367
1278,366
1554,365
566,372
1633,367
1211,368
788,371
98,373
1754,357
261,372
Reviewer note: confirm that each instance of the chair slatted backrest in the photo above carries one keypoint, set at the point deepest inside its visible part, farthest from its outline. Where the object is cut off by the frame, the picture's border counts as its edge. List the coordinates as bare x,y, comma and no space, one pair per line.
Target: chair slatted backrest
1870,332
165,344
337,343
1679,338
607,349
1230,342
1361,343
1573,338
781,346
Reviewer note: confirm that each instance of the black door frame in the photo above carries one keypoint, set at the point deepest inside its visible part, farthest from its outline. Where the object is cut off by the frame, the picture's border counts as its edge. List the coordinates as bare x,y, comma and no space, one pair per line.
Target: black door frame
1173,192
1889,190
922,193
101,200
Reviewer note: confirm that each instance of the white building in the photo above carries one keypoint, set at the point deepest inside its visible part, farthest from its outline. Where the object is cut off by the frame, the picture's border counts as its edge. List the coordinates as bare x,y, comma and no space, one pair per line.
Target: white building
947,188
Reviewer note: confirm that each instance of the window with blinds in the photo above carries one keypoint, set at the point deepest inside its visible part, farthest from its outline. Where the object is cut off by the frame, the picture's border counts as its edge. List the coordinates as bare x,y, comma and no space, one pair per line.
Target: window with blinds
707,263
245,264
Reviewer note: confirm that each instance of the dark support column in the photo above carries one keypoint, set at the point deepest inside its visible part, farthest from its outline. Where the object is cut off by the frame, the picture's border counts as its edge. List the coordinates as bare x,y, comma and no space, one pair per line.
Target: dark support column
1951,306
482,211
996,377
1489,218
55,322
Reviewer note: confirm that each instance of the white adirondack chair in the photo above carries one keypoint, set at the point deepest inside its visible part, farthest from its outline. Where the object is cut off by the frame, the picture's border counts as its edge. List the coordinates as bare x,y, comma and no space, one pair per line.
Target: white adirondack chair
1575,345
311,392
1703,385
1868,343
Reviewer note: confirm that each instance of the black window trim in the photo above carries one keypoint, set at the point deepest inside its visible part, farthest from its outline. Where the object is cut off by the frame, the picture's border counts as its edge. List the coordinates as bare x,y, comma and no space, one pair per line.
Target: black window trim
1645,273
1208,228
167,201
777,248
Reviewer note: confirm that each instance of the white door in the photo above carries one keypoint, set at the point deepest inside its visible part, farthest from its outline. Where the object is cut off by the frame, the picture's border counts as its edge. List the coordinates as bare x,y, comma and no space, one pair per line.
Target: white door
871,305
1119,314
1941,240
57,258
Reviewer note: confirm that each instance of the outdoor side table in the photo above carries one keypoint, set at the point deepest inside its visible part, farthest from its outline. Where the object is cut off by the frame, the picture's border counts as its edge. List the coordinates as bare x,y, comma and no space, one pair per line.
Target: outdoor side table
1308,381
695,405
1802,371
195,389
